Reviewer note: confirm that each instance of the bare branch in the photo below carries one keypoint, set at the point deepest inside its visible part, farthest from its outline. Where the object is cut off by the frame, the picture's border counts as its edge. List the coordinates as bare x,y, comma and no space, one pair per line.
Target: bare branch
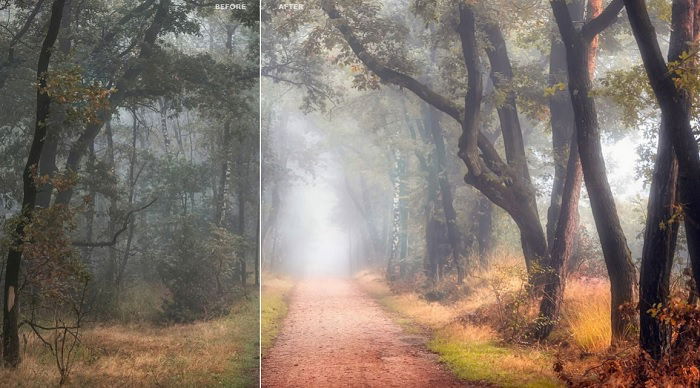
113,241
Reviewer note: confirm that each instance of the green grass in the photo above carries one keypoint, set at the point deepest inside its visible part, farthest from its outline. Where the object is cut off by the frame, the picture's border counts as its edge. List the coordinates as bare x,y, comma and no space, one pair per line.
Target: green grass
487,362
244,320
274,309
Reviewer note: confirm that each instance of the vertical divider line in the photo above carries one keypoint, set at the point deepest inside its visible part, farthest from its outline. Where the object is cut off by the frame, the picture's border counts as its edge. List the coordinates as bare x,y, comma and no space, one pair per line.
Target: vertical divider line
260,172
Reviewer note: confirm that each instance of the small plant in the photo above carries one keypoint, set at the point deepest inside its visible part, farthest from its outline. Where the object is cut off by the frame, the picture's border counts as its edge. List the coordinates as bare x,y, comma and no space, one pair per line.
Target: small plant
510,287
54,284
62,336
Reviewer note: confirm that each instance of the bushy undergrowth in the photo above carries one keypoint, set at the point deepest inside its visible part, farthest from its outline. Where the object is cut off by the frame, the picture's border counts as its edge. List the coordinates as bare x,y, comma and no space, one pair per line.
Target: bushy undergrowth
481,330
679,366
201,272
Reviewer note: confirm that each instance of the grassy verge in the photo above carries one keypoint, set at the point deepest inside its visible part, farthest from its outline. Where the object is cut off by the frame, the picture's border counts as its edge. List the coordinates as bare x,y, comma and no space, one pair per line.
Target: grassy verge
473,353
275,294
219,352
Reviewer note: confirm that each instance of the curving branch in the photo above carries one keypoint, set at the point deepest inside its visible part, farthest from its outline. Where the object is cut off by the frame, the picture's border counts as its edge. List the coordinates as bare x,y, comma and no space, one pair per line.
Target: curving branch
491,157
113,241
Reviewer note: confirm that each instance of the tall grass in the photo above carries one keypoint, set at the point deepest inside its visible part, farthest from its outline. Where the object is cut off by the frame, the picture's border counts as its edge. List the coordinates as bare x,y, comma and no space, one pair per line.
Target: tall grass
586,314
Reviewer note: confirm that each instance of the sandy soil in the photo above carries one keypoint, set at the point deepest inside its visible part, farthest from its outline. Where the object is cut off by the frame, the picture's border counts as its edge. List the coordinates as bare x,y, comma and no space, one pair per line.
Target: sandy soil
336,336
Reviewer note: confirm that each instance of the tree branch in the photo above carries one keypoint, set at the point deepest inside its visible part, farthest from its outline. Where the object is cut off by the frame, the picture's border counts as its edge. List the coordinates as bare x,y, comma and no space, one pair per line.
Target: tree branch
489,153
125,225
606,18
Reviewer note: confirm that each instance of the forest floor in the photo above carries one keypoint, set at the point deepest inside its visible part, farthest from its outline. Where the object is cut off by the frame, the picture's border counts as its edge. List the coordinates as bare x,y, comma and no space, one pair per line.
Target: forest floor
218,352
336,335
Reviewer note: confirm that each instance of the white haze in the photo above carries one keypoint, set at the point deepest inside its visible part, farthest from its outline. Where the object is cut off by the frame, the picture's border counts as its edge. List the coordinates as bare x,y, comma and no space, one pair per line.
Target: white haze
314,239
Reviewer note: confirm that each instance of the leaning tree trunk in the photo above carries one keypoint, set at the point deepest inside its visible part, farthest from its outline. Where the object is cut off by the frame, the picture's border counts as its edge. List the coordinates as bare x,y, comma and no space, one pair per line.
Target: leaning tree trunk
618,258
562,119
563,216
661,230
47,163
562,247
122,86
10,338
676,122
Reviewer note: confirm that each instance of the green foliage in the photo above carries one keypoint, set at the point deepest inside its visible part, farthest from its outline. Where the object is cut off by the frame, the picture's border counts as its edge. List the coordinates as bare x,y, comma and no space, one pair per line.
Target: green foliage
631,91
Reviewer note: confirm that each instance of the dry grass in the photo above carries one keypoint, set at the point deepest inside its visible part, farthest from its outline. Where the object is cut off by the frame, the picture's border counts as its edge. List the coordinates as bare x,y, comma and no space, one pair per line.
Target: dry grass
586,314
217,352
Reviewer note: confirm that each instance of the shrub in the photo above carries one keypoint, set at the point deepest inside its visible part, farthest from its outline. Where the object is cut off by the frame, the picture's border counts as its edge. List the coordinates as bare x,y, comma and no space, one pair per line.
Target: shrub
201,273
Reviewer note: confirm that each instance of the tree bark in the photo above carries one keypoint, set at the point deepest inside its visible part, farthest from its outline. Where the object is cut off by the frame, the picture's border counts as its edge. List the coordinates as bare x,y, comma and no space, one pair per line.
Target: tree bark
447,201
661,229
10,338
562,231
675,118
47,163
483,228
579,46
224,173
562,120
562,246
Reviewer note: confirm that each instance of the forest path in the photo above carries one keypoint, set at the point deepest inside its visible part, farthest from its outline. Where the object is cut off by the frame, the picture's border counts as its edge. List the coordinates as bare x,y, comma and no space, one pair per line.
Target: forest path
336,336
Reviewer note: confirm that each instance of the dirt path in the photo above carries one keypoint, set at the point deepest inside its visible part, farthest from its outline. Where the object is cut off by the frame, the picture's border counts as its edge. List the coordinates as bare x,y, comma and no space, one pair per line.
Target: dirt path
336,336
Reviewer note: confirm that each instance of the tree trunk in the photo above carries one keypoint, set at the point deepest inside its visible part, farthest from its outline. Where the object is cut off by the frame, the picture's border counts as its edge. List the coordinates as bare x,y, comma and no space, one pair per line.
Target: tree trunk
122,86
675,120
484,227
221,201
562,230
661,230
258,243
562,118
432,122
47,163
47,166
618,260
10,338
519,199
562,246
394,255
659,245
